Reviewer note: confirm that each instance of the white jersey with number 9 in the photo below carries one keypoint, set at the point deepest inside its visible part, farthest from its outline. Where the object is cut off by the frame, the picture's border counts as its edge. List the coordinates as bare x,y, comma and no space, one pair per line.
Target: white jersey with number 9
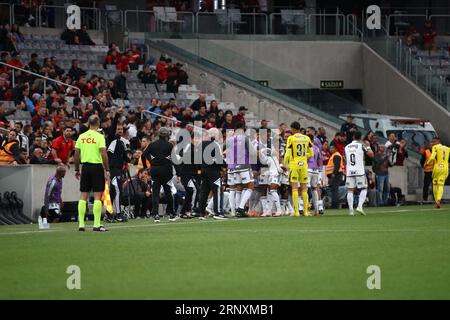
354,155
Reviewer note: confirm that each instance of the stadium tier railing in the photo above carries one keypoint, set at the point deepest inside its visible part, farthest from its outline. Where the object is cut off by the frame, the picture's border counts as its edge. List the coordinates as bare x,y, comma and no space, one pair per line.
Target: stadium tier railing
90,16
40,76
404,58
157,21
6,13
254,70
17,11
274,94
270,93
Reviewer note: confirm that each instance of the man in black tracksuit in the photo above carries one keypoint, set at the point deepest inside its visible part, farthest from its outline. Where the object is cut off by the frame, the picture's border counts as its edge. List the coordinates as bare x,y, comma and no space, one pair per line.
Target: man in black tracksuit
159,153
119,157
186,171
212,163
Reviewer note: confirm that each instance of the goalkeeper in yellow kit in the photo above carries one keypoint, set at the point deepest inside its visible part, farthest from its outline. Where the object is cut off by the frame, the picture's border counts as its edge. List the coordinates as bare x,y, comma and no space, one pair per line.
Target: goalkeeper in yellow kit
298,150
440,156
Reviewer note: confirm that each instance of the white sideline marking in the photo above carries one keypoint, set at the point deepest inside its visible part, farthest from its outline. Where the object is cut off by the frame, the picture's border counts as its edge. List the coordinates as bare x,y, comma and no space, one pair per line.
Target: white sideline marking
344,213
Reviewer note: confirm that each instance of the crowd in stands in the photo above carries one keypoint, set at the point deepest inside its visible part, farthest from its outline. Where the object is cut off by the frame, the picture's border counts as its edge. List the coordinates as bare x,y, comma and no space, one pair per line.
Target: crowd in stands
50,134
425,40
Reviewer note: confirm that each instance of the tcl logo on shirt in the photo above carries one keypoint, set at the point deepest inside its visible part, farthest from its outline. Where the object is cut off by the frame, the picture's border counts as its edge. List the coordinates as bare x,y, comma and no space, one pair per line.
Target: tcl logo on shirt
88,140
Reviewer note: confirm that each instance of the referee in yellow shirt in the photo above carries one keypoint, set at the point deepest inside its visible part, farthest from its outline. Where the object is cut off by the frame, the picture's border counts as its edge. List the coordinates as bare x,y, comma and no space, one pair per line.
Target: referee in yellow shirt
90,149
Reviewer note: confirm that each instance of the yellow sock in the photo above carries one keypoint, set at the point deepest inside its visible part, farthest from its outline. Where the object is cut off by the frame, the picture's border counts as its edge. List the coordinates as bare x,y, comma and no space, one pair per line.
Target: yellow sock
295,201
81,212
435,192
439,192
305,203
97,213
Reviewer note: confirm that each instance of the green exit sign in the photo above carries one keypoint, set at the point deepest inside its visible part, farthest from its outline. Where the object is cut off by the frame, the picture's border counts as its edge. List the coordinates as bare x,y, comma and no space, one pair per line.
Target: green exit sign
331,84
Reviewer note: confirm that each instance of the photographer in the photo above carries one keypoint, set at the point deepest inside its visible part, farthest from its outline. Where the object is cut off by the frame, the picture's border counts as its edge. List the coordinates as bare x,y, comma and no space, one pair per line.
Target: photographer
392,148
118,156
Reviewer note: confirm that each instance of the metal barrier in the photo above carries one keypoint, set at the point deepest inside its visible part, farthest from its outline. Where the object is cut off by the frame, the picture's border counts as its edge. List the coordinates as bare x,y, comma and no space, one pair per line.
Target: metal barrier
294,22
5,13
155,21
339,24
149,20
410,18
212,22
55,16
422,74
439,17
18,14
249,24
39,76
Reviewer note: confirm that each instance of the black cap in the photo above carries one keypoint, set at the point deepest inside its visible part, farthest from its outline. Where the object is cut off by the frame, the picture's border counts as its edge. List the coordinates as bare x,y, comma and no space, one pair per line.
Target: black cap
243,108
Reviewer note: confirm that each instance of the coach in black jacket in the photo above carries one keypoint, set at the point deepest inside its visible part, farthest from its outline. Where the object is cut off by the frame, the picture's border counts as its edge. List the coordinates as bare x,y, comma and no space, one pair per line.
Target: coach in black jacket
159,154
187,170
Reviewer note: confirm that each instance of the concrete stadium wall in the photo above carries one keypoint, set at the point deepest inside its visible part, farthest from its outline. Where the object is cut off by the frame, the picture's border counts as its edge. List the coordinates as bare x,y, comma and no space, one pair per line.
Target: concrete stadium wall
387,91
29,182
273,60
228,90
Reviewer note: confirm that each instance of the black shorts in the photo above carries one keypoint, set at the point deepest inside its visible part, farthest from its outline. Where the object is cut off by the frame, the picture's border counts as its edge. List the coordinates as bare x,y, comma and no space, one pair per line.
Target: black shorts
92,178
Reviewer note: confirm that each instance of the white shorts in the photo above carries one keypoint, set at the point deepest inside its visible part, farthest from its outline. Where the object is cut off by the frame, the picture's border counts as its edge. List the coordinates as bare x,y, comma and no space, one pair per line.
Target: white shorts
284,178
274,179
264,176
358,182
241,177
313,179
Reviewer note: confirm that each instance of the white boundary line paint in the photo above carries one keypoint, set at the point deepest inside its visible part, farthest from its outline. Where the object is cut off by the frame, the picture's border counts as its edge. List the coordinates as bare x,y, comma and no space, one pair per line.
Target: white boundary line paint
113,227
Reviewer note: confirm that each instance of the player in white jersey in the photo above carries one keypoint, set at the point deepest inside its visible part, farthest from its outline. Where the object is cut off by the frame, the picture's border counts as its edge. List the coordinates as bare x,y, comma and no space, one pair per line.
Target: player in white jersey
286,205
269,158
356,173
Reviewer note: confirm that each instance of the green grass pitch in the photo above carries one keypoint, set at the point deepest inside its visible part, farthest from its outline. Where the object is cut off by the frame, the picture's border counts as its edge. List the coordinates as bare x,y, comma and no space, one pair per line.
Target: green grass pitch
272,258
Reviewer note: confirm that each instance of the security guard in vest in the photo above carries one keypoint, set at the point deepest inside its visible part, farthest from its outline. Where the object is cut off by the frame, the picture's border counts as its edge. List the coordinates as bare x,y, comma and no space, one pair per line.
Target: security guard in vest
9,150
90,150
334,171
427,171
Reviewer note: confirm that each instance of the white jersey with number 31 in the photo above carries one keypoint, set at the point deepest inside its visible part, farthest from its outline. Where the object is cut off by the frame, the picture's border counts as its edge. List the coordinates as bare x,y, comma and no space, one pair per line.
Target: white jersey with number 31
354,155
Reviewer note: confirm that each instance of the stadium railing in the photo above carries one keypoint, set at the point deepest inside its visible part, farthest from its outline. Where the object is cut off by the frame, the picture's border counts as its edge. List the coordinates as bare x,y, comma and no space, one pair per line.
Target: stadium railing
15,13
6,13
40,76
403,57
269,93
89,15
154,21
254,70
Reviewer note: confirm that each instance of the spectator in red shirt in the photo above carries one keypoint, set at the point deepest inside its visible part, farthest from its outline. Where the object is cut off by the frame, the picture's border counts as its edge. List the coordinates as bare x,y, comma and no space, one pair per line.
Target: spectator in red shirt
240,116
210,121
113,57
161,70
428,37
63,146
40,117
83,86
15,60
134,57
338,142
228,121
124,64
